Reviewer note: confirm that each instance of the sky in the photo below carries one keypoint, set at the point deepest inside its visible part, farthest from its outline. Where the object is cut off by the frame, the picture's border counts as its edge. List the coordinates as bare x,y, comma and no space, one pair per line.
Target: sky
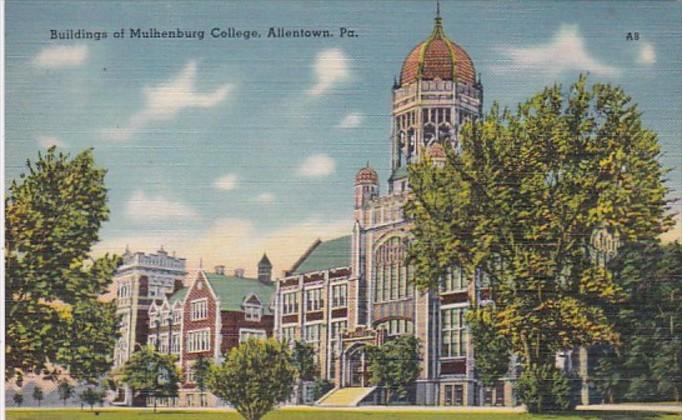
222,149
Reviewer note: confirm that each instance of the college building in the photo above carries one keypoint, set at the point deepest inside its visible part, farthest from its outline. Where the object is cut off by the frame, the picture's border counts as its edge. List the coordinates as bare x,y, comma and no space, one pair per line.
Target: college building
350,292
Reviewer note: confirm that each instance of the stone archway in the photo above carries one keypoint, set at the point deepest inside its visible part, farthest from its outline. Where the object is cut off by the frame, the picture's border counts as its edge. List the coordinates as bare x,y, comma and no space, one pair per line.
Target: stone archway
355,366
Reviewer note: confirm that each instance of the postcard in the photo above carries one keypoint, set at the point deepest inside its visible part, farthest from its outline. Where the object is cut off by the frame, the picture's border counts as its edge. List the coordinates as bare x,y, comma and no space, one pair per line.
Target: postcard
342,209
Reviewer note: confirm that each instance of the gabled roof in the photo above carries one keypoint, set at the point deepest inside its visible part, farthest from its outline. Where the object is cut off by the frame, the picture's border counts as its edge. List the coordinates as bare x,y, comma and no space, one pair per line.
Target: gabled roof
325,255
178,296
231,291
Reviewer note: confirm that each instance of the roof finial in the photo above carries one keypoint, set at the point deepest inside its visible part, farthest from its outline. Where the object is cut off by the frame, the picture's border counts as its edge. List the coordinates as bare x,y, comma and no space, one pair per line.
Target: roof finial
437,8
201,262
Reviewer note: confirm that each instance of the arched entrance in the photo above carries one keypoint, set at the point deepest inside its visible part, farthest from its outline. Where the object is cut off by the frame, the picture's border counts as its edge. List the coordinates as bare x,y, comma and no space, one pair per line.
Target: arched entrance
355,361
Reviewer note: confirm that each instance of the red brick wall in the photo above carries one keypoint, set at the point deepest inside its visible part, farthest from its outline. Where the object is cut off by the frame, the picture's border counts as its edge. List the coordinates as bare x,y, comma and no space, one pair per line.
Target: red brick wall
232,321
142,327
189,325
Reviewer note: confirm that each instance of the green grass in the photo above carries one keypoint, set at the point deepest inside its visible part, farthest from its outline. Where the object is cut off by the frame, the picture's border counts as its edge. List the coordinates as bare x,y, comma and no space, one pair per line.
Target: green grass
312,414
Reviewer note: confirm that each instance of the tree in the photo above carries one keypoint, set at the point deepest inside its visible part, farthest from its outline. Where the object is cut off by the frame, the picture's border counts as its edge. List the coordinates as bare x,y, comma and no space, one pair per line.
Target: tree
516,206
96,323
667,363
394,365
492,349
18,399
52,218
38,394
255,377
304,363
201,368
65,390
152,374
91,396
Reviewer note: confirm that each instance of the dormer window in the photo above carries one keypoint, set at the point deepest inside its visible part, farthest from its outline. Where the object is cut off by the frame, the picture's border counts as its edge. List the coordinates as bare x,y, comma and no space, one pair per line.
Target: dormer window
252,313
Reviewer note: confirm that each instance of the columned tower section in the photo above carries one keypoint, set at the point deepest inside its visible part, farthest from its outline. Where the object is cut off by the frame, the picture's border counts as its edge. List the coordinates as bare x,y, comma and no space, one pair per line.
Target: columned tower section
437,92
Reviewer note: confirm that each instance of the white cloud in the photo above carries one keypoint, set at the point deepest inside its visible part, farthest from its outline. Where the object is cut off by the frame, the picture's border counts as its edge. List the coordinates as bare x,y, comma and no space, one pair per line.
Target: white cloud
647,54
565,52
317,165
234,243
143,207
226,183
331,67
61,56
351,120
266,198
49,141
164,101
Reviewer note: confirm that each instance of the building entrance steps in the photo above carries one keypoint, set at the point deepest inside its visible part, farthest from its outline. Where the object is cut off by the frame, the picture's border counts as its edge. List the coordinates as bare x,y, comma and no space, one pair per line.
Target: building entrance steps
345,397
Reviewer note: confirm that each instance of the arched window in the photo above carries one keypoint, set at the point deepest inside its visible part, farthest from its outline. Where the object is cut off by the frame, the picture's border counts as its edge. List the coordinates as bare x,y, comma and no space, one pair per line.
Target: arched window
390,272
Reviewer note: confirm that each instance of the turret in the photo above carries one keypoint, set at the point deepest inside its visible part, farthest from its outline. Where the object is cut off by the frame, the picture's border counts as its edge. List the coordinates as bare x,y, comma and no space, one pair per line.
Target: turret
264,270
366,186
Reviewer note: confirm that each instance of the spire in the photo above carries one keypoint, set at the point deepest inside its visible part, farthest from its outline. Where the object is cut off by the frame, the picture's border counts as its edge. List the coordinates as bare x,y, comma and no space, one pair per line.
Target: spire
438,25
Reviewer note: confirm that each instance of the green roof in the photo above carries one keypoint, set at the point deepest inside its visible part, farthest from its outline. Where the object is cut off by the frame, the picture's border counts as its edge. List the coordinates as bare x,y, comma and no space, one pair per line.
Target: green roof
178,295
325,255
231,291
399,172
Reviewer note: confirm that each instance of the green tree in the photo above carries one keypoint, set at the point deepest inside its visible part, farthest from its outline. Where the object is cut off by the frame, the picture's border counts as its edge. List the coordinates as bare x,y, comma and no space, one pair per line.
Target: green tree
18,399
304,363
96,323
65,390
394,365
151,374
91,396
667,363
492,349
517,206
255,377
52,218
201,368
38,394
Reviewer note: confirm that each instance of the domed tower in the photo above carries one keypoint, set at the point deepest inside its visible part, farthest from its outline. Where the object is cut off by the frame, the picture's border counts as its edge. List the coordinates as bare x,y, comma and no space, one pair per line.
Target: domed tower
366,186
437,92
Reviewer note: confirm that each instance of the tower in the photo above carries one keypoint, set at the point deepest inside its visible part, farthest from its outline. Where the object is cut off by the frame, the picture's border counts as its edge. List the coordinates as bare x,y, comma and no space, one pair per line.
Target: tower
437,92
366,186
264,269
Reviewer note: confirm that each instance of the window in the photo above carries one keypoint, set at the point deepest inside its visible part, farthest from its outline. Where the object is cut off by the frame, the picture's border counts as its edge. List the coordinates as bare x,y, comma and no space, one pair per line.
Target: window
288,334
391,275
337,328
151,340
312,336
313,299
245,334
163,343
454,279
198,341
453,333
252,313
199,309
290,303
454,395
396,326
177,316
175,343
339,293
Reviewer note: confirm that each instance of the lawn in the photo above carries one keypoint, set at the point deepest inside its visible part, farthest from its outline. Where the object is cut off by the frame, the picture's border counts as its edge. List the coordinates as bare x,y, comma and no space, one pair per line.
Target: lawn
312,414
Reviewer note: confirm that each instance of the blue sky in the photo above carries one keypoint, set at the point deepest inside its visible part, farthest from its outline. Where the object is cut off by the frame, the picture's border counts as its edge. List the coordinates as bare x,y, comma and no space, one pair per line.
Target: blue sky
221,149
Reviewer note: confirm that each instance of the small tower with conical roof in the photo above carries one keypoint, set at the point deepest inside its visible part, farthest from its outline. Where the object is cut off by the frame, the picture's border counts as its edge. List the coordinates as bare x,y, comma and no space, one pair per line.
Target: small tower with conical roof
264,269
366,186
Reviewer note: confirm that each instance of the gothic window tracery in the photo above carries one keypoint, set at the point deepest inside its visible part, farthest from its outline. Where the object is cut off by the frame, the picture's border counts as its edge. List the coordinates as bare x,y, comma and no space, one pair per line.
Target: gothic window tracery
391,274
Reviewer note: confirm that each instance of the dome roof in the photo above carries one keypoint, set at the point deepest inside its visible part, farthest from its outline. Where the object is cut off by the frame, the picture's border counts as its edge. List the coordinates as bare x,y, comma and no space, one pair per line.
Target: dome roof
438,57
366,175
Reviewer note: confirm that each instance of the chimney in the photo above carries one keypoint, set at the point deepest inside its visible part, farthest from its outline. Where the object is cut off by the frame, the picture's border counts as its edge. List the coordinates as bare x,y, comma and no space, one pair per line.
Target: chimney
220,269
239,272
